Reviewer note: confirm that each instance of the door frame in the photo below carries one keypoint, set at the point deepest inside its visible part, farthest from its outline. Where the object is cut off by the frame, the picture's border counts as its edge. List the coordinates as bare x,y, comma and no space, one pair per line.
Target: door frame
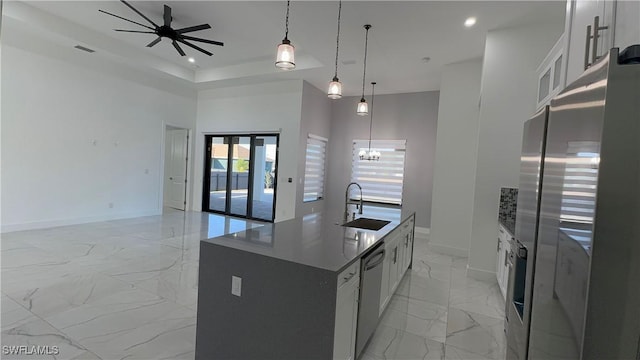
206,178
187,185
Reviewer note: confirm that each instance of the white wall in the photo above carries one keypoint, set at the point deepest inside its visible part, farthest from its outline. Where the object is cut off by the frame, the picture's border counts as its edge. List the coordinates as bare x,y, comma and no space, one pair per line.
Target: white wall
455,164
78,135
271,107
411,116
627,31
508,96
315,119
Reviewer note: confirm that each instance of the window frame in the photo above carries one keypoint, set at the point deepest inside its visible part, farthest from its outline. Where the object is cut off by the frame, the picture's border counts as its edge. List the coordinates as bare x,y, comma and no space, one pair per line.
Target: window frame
388,148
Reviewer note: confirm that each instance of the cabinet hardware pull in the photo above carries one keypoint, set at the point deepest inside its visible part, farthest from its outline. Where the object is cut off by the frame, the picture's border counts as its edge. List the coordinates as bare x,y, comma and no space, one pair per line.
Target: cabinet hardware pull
596,31
347,278
586,47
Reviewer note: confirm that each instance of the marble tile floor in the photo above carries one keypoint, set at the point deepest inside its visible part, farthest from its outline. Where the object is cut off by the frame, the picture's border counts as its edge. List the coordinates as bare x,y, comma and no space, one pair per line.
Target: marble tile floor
127,289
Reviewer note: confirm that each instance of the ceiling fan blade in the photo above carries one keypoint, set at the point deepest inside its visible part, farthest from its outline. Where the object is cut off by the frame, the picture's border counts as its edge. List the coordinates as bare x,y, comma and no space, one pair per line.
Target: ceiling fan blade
131,21
154,42
193,28
139,13
135,31
195,47
167,16
175,45
202,40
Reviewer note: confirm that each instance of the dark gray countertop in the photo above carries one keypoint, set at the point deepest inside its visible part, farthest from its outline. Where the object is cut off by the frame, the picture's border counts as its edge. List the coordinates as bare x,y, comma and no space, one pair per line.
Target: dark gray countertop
509,225
314,240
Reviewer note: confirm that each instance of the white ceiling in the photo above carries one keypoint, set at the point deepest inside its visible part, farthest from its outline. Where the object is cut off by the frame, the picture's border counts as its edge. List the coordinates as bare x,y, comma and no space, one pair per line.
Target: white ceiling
402,34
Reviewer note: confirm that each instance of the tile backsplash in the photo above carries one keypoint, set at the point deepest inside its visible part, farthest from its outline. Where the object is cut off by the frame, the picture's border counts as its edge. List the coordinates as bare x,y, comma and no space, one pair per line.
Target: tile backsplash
508,203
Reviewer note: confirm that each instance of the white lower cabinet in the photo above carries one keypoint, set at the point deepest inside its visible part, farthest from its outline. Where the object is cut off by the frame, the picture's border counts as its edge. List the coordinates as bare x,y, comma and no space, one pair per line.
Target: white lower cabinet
389,270
502,267
398,246
344,340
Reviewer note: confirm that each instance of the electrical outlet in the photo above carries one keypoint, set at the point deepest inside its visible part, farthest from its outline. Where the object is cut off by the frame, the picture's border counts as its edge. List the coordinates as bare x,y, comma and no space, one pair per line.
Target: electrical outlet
236,285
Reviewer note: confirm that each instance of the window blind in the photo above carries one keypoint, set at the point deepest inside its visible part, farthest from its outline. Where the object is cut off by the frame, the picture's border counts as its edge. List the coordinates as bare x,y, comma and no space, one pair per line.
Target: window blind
579,183
381,180
314,168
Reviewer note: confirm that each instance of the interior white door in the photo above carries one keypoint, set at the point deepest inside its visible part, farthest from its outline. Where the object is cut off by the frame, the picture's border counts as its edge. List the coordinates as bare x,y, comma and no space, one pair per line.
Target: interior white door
176,165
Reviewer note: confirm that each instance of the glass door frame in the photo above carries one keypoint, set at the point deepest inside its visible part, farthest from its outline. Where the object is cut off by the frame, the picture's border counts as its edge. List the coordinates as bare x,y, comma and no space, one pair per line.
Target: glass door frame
206,181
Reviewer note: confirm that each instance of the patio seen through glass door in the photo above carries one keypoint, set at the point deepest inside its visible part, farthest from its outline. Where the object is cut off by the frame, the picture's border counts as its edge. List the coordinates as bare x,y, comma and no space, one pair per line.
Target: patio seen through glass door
243,173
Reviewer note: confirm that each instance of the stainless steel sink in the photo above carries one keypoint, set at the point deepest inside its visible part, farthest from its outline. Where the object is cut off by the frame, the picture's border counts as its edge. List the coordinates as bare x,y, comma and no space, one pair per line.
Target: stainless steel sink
366,223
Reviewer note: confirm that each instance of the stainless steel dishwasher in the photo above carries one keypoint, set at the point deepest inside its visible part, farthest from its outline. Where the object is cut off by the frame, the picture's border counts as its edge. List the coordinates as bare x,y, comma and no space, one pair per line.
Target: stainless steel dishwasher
369,306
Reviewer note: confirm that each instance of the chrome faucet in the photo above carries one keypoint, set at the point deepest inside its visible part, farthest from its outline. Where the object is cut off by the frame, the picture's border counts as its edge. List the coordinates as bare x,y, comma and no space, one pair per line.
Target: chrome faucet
347,201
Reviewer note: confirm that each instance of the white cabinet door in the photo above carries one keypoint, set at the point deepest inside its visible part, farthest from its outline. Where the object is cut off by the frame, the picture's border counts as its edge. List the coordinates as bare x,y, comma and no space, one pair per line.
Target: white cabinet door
408,252
498,259
385,293
627,24
393,269
582,14
344,340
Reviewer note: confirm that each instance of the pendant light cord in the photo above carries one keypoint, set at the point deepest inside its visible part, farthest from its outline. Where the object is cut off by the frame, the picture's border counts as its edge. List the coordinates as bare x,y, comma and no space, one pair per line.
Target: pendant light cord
366,42
286,23
335,76
373,91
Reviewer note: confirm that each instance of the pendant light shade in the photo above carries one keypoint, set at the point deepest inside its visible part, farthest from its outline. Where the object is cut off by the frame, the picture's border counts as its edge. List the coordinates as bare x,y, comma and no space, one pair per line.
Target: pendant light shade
335,89
371,155
335,86
285,55
363,107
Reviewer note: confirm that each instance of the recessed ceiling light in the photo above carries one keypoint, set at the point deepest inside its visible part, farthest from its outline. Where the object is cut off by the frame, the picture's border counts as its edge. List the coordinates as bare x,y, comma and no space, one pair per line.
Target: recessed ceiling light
192,60
470,22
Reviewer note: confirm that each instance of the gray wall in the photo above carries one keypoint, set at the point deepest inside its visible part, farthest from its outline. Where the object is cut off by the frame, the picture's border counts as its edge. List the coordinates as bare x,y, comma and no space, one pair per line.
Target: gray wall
315,119
411,116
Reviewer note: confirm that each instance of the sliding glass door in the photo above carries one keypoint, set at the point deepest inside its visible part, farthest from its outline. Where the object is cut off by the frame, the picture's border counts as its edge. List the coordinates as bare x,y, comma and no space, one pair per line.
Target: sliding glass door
242,177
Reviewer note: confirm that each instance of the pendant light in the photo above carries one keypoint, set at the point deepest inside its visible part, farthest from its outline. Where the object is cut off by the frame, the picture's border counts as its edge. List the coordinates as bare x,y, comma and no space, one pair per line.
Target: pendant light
371,155
285,56
335,86
363,107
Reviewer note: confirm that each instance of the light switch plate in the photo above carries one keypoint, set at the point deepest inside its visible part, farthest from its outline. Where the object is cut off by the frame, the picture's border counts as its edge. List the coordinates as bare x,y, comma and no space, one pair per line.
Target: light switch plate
236,286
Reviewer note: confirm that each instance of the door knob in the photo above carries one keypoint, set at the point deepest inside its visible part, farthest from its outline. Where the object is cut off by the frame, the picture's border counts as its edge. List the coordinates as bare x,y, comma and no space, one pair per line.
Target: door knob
170,178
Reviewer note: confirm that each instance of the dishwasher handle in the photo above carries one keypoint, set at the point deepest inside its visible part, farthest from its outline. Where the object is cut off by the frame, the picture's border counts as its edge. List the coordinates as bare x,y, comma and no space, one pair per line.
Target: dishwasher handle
370,264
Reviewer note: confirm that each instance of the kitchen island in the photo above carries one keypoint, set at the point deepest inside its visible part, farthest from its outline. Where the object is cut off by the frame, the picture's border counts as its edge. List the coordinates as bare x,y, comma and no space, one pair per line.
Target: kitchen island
291,290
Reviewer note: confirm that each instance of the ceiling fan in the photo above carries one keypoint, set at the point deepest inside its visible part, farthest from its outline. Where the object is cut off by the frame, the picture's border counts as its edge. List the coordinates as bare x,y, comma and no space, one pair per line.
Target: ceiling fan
176,35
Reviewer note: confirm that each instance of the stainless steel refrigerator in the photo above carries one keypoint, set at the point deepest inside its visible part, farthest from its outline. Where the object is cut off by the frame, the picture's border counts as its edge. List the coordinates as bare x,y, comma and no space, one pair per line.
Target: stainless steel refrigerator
523,249
585,293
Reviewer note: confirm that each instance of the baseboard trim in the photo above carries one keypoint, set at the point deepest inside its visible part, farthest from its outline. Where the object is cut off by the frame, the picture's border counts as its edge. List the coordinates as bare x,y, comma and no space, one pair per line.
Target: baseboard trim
422,230
6,228
480,274
449,250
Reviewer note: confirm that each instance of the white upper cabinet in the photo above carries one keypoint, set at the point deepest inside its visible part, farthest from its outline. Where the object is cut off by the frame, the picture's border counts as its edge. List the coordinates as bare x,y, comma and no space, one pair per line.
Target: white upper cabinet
551,74
589,33
627,27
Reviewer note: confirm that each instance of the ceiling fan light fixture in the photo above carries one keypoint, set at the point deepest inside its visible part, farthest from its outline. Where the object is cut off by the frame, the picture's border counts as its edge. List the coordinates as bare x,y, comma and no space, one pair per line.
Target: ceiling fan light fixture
285,54
175,35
